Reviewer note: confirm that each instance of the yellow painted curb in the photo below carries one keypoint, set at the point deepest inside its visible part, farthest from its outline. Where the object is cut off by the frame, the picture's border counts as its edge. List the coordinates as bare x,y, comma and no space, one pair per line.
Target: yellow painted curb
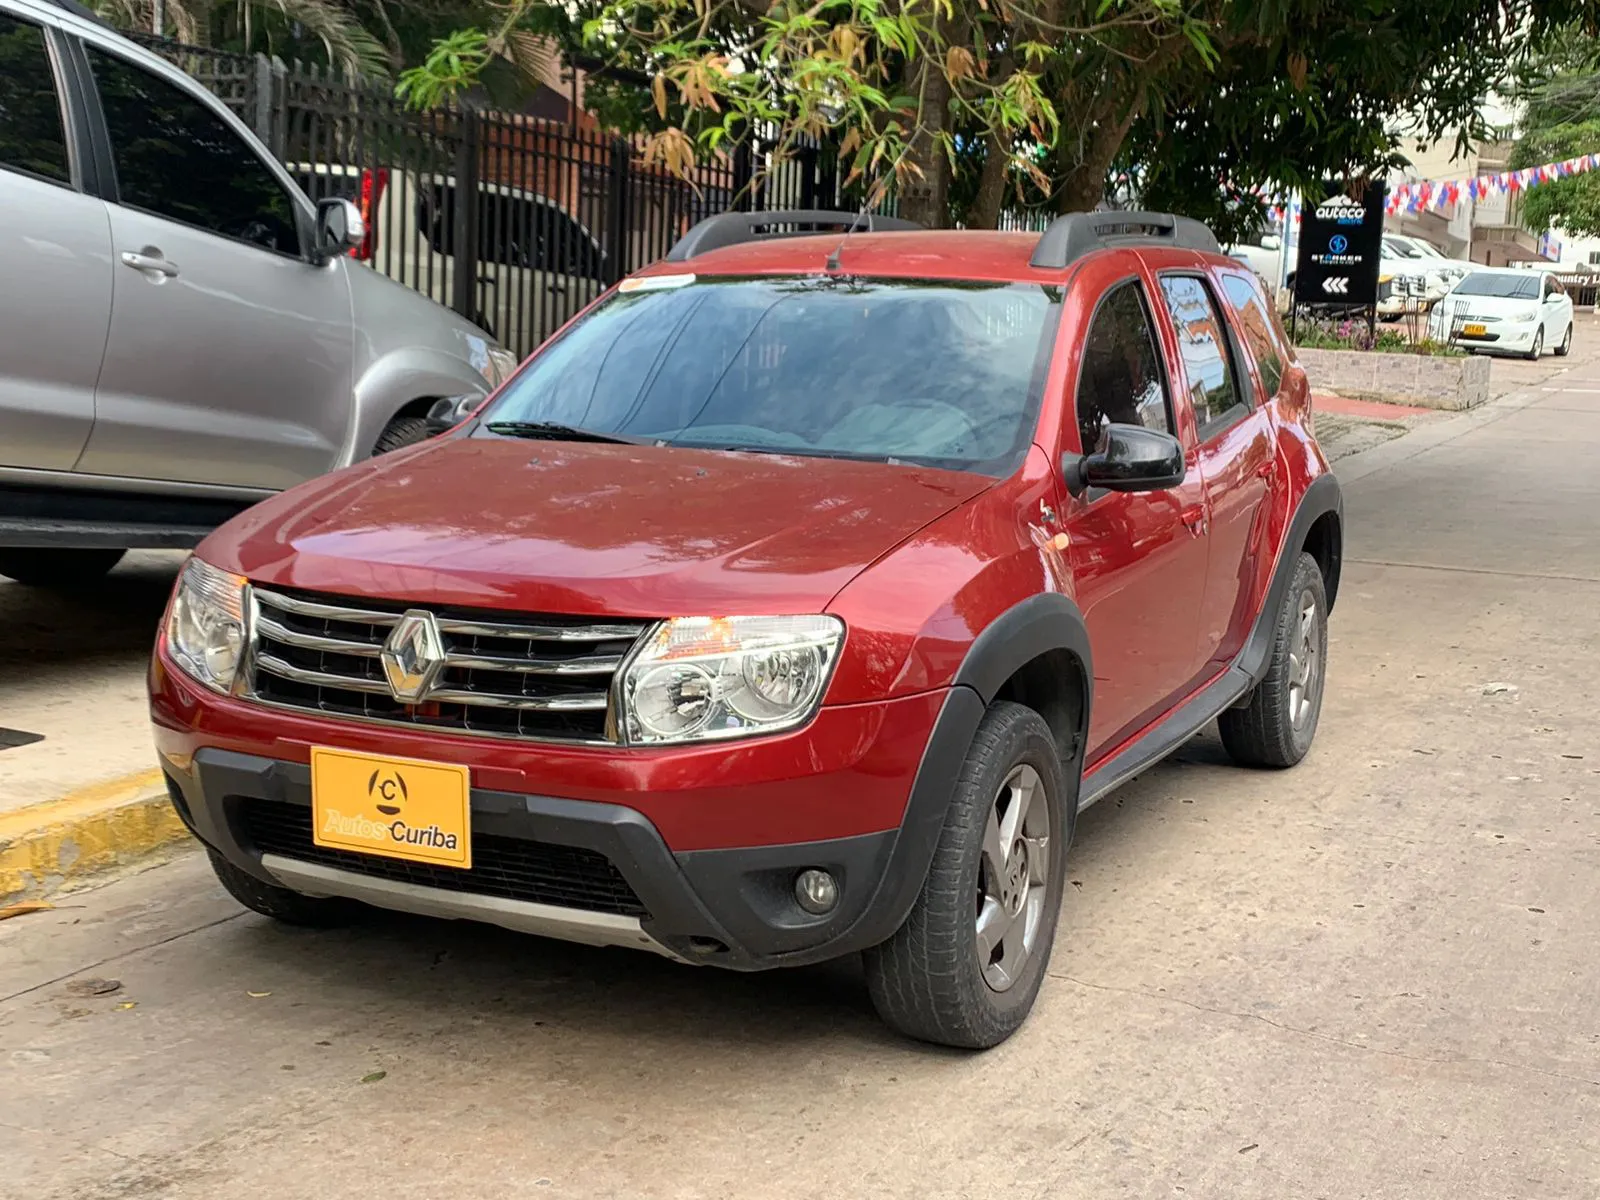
50,846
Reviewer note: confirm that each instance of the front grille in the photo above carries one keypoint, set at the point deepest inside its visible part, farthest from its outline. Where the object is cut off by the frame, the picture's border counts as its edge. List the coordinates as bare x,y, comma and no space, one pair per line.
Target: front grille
511,868
546,677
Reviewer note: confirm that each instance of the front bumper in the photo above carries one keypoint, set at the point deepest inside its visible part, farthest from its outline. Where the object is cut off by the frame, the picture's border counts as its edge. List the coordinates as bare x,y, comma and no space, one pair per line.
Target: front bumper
605,871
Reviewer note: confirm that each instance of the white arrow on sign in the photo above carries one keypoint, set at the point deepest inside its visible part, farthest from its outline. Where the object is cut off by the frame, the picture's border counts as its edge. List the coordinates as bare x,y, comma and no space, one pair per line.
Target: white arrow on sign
1336,285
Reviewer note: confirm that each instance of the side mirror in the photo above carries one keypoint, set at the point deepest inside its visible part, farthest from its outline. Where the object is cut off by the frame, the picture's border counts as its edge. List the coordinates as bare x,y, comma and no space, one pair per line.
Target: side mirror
340,227
1271,241
449,412
1135,459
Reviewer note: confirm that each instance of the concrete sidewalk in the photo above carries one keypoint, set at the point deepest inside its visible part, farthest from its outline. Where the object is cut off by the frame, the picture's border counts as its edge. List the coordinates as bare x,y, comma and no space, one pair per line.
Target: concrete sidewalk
80,794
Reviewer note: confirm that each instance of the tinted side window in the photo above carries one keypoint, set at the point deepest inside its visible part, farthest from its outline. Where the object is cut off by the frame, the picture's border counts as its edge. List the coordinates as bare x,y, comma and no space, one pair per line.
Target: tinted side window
1203,342
176,158
31,135
1258,330
1121,381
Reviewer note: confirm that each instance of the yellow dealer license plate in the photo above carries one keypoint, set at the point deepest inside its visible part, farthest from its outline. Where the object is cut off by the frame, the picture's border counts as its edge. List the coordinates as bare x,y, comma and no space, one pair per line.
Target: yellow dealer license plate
1473,330
396,807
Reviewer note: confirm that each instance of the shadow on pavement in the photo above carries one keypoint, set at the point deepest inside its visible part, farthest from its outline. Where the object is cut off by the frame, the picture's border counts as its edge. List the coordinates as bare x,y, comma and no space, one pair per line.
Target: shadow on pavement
115,617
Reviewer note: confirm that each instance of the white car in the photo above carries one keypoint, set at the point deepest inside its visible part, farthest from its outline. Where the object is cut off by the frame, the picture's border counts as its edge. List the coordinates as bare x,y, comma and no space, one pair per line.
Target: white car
1505,311
1410,280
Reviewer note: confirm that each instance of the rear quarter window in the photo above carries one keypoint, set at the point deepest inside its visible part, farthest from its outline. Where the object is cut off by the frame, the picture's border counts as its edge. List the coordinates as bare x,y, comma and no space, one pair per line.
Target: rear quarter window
1262,332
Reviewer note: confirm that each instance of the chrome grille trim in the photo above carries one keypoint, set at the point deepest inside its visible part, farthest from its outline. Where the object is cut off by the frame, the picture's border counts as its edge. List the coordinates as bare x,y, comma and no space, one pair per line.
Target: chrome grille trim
316,654
267,627
604,664
578,702
328,612
539,633
276,666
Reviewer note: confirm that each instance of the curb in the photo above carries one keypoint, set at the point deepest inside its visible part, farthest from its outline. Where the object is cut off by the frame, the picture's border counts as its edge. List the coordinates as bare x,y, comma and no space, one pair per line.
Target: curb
47,848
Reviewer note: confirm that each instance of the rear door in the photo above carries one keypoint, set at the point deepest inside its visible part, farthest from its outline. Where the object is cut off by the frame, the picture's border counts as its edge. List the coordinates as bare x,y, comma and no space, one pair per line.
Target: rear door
1138,559
1237,455
229,355
55,242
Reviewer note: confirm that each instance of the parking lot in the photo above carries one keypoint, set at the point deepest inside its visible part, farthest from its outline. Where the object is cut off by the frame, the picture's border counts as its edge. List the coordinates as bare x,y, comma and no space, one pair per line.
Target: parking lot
1368,976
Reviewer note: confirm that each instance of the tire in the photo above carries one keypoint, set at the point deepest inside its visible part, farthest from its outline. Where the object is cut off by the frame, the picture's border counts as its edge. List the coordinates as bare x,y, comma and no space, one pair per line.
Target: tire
400,433
1566,342
54,568
929,981
1278,720
276,902
1538,345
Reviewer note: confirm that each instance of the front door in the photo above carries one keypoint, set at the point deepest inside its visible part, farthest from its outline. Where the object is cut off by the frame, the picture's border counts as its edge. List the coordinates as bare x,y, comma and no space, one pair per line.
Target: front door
1138,559
56,247
229,355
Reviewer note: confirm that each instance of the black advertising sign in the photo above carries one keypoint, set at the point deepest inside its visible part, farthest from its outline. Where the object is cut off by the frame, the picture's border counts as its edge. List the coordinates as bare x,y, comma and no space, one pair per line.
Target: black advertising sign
1341,243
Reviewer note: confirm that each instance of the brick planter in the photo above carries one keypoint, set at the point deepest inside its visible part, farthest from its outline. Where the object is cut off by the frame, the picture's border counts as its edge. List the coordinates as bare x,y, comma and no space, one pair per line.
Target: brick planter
1419,379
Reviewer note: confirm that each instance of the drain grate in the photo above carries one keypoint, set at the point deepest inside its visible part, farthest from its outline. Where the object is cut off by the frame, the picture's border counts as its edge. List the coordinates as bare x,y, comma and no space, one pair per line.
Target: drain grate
17,737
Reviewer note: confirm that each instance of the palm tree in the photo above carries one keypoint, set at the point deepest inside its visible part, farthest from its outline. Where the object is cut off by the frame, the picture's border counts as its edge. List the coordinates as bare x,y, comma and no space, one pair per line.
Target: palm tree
260,25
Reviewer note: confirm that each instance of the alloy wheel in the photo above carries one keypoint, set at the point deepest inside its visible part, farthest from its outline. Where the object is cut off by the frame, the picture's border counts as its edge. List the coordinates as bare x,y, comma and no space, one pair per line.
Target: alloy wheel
1013,877
1305,663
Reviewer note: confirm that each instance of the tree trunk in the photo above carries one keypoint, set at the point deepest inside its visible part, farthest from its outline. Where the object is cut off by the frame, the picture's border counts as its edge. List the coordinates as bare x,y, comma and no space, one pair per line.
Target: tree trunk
991,198
925,188
1083,179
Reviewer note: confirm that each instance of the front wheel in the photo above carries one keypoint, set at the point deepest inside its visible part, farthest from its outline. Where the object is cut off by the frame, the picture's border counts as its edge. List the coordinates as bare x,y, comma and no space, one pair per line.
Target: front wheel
965,967
49,567
1538,345
1277,721
399,433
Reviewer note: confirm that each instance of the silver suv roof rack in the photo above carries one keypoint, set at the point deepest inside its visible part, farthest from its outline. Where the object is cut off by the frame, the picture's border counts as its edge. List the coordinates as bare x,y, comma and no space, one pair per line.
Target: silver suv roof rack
1070,237
733,228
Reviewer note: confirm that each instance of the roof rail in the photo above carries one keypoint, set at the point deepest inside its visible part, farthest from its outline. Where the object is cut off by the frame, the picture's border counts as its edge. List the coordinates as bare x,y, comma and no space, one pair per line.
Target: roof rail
733,228
1070,237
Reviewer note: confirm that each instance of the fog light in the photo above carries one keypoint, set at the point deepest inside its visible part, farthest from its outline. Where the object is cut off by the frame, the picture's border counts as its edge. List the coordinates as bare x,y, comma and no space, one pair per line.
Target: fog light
816,891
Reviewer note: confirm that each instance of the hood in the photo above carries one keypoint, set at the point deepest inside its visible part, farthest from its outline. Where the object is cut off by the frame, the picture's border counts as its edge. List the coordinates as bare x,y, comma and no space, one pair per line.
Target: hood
1497,308
590,529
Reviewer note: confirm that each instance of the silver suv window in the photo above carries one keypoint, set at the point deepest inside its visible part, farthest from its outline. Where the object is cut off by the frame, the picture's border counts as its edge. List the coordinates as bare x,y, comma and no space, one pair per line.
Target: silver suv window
32,139
178,159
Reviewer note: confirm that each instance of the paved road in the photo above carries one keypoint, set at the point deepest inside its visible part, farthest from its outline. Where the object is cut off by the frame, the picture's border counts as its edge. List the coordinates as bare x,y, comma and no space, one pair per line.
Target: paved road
1373,976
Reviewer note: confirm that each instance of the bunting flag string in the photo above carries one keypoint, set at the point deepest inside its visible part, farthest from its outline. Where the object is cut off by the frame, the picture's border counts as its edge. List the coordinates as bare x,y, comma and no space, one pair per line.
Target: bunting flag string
1430,193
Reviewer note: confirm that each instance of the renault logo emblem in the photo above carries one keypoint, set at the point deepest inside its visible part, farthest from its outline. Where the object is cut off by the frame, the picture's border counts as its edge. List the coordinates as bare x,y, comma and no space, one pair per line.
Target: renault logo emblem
413,656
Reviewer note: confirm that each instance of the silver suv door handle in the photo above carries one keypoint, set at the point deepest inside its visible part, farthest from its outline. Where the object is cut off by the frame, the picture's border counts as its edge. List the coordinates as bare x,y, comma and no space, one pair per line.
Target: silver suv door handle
148,262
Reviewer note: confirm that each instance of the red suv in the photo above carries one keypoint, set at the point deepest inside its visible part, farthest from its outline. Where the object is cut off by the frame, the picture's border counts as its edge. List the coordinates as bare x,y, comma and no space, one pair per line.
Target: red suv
791,602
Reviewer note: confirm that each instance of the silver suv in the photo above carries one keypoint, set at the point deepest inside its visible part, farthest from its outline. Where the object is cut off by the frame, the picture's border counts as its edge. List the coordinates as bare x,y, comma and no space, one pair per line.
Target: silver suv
181,331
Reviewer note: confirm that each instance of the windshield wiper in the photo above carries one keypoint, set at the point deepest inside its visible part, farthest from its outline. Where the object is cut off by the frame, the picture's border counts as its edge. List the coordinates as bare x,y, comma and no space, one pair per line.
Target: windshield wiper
557,432
785,451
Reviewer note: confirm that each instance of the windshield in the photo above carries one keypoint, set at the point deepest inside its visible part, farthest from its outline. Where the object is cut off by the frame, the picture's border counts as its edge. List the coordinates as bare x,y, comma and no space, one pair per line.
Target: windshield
945,374
1509,287
1400,249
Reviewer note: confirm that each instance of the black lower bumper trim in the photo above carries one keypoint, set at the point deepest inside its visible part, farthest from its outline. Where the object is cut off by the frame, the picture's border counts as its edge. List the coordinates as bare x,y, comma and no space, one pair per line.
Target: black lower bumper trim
732,908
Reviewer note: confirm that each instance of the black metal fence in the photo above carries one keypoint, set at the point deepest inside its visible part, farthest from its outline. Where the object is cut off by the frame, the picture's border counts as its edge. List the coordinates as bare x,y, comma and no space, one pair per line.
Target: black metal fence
558,209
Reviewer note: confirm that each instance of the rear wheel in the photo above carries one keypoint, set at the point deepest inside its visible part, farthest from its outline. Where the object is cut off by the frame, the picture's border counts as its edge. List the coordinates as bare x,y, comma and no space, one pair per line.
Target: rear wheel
279,903
1278,720
48,567
1566,342
399,433
1538,345
965,967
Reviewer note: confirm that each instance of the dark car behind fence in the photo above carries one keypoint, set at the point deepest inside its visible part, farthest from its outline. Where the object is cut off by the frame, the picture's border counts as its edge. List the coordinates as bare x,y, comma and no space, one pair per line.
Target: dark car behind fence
562,208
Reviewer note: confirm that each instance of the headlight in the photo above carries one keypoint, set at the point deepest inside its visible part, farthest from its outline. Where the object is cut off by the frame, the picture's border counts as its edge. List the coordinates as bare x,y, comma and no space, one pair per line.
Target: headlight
1526,318
502,363
699,678
205,632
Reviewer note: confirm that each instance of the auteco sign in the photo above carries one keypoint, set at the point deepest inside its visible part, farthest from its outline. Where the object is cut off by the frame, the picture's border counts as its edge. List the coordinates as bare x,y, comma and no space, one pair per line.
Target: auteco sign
1341,243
